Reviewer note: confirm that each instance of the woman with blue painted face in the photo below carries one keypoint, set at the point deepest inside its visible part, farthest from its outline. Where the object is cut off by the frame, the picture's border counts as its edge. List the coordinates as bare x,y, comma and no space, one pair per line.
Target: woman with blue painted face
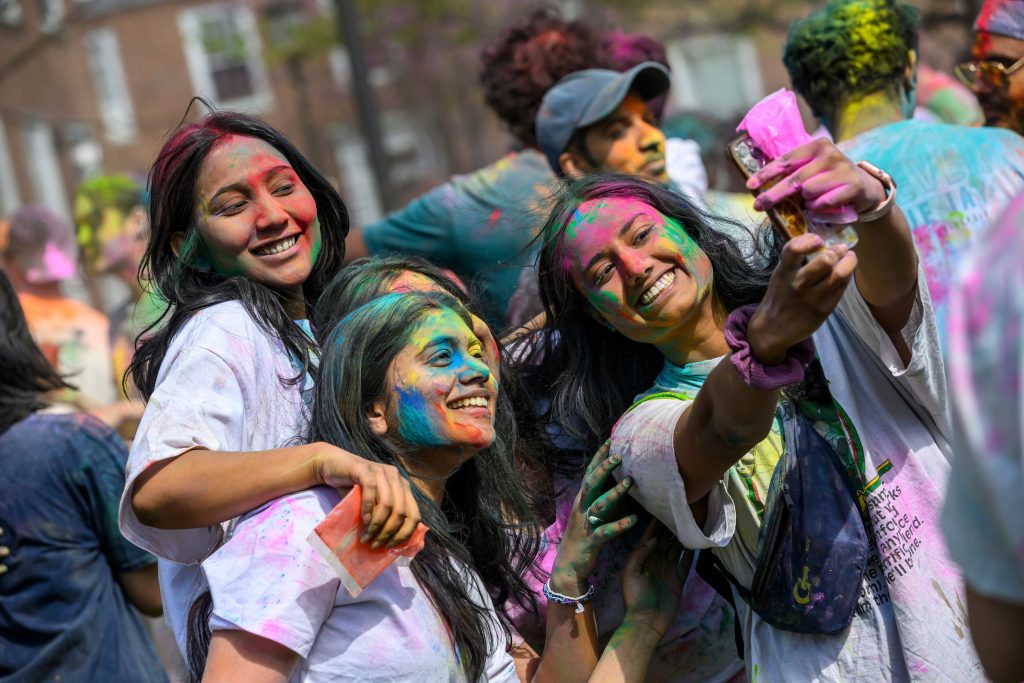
404,381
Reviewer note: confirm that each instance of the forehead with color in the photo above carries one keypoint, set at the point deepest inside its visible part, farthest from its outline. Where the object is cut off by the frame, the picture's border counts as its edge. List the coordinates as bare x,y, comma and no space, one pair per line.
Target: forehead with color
441,324
596,222
237,158
412,281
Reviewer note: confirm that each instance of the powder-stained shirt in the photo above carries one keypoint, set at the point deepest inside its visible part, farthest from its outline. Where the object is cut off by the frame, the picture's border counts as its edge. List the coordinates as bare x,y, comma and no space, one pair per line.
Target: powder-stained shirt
63,616
268,580
222,386
910,622
952,182
982,518
480,225
76,340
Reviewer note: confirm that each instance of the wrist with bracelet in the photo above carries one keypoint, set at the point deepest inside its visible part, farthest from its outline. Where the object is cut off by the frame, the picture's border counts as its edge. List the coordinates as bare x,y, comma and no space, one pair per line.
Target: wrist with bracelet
554,596
754,373
885,206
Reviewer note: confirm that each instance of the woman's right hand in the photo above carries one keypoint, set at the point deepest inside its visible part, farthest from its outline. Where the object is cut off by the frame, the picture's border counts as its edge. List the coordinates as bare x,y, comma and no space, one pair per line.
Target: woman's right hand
590,525
389,510
800,296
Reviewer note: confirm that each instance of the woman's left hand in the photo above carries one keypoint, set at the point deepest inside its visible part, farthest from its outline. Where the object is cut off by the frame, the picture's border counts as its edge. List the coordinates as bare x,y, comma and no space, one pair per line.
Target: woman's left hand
590,525
652,580
822,176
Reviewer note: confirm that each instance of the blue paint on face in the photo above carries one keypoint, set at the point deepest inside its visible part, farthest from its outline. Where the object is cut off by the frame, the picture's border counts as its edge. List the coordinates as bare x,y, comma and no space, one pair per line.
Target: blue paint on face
414,423
443,362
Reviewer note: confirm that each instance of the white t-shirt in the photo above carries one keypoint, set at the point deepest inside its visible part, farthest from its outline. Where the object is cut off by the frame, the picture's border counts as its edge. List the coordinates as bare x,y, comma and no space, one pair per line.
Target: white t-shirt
219,388
268,580
910,623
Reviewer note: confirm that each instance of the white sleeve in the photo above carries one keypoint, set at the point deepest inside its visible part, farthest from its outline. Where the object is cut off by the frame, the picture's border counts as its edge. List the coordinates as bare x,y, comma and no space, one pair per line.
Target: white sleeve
198,402
924,377
644,439
268,580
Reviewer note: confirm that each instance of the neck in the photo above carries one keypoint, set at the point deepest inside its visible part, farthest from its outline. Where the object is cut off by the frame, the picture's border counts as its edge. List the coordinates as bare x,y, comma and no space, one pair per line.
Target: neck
430,468
295,305
700,339
865,113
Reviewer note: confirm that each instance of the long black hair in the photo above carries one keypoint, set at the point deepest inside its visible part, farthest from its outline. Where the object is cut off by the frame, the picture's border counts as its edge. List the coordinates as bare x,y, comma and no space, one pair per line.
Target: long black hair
25,374
485,521
187,289
591,373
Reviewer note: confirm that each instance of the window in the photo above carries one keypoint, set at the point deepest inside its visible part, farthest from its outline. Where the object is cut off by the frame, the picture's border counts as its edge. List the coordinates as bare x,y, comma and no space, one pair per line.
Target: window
108,78
413,155
10,12
52,13
224,55
10,198
359,187
412,150
718,74
44,166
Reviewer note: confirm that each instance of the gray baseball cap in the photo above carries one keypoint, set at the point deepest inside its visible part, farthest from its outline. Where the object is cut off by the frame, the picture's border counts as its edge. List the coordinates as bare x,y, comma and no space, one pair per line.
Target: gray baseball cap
585,97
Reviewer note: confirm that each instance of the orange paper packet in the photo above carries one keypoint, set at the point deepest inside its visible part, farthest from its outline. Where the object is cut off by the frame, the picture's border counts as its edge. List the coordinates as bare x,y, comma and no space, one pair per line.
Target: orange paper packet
337,540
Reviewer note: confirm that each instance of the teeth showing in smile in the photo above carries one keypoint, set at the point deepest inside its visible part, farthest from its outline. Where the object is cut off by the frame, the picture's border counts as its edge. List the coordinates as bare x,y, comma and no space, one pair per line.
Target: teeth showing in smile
278,247
472,402
655,289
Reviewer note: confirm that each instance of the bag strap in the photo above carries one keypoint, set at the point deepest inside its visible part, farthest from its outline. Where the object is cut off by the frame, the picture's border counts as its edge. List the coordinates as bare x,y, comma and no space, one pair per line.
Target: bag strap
679,395
714,573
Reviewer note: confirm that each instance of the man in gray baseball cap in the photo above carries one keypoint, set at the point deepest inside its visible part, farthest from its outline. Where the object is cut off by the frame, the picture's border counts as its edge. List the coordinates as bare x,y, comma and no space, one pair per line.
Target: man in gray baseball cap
598,120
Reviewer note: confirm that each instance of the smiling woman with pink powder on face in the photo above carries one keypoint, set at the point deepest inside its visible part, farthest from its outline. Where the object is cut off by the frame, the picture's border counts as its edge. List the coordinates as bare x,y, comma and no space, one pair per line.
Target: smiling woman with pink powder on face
244,235
653,312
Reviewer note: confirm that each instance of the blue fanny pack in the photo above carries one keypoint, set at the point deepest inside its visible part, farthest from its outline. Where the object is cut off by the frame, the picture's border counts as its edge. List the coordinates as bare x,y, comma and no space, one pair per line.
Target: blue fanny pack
812,547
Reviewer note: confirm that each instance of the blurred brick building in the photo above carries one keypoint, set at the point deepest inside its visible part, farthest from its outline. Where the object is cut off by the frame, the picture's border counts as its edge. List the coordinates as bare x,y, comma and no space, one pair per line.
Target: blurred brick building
91,86
95,85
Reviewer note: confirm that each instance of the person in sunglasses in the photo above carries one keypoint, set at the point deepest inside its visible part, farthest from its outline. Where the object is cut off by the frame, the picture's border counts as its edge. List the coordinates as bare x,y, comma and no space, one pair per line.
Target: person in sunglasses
855,63
996,70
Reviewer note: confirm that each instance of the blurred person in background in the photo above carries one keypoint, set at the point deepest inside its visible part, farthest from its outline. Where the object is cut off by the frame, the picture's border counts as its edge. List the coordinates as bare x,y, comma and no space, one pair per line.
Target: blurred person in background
111,228
68,579
942,98
37,251
479,225
981,517
600,120
682,156
997,59
854,62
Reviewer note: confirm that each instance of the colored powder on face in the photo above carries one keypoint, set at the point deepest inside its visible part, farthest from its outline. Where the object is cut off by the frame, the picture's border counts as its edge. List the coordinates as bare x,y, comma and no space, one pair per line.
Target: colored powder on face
415,425
422,393
314,231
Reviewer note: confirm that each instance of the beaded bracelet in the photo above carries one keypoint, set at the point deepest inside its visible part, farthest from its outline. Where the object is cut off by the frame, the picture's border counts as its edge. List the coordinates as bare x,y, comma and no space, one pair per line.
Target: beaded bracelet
565,599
